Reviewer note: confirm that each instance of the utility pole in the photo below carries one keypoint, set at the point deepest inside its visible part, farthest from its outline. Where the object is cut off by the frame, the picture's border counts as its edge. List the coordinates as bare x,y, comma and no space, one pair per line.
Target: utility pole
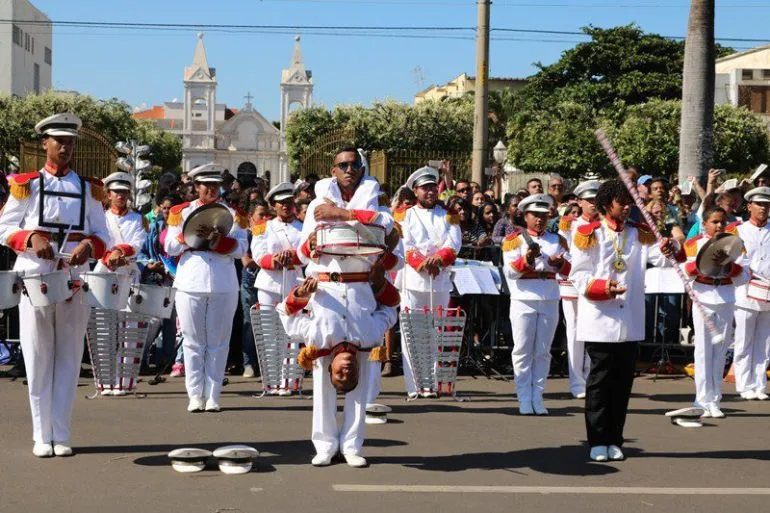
481,97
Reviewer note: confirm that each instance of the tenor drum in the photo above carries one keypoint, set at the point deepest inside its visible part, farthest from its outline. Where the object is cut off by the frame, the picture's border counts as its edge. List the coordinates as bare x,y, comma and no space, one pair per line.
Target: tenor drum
758,290
48,288
107,290
567,290
10,289
350,239
151,300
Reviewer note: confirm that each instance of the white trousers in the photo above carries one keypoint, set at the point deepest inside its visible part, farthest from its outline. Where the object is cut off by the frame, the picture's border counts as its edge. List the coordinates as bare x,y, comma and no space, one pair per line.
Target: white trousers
533,325
268,299
327,437
752,349
52,339
578,362
710,358
417,300
206,321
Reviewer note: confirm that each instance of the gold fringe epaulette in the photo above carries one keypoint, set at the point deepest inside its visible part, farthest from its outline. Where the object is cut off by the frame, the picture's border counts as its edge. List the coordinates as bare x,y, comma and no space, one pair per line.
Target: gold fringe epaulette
732,228
307,355
259,228
585,236
512,241
400,214
691,246
21,185
241,218
644,234
378,354
175,214
565,223
453,218
97,188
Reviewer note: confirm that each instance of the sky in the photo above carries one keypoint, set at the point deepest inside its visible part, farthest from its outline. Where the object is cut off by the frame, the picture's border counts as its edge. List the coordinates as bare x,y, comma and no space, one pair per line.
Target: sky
145,67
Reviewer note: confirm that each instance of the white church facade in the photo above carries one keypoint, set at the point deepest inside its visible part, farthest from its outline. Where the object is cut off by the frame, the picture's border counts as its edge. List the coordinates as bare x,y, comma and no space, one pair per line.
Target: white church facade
242,141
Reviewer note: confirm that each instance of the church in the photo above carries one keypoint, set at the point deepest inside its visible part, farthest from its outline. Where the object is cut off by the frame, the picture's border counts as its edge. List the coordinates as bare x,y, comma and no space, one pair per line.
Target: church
243,141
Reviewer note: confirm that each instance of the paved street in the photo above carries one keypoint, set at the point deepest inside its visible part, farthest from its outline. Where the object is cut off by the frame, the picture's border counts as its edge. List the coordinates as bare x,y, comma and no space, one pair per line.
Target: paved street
433,455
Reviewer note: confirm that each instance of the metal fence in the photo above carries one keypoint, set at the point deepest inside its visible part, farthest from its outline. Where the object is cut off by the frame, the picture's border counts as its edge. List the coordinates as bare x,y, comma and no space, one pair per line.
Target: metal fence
93,155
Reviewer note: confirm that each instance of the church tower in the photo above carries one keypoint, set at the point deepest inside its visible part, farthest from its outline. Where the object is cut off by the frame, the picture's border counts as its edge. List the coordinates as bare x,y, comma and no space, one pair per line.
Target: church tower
200,95
296,92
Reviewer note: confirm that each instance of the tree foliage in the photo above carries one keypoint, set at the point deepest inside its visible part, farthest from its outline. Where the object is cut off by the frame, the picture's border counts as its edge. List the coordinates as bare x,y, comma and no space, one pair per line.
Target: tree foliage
112,117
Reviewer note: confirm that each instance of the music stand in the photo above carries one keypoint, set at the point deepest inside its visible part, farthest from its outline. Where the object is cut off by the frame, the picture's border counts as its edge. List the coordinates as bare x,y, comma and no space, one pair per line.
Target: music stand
662,281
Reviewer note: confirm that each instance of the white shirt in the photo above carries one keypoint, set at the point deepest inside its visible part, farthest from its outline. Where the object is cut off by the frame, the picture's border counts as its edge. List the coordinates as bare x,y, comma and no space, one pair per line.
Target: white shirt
757,242
277,236
127,232
515,266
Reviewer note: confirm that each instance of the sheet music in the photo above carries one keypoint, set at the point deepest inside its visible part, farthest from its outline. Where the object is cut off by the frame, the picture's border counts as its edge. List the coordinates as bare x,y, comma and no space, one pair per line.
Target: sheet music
465,281
662,280
483,276
476,278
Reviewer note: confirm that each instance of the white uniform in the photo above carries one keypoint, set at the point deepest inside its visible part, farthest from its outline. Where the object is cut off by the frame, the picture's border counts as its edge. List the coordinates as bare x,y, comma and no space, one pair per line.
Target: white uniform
718,300
271,237
578,362
534,309
427,233
207,295
52,336
752,317
341,312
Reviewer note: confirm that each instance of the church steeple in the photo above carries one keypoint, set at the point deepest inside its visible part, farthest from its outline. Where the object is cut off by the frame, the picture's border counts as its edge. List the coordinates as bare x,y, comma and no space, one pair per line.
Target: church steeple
296,91
199,70
297,74
297,62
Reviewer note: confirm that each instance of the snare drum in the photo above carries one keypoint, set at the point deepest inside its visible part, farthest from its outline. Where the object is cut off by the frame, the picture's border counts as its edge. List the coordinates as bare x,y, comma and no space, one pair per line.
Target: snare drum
567,290
151,300
758,290
350,239
107,290
48,288
10,289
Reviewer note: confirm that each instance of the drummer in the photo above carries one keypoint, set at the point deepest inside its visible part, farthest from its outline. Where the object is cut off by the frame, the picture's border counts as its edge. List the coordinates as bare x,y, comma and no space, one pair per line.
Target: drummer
432,239
207,287
716,293
752,316
578,362
532,259
72,221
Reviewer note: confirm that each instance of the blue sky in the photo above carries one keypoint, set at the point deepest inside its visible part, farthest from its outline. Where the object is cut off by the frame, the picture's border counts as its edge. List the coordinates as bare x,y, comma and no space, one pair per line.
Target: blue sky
145,67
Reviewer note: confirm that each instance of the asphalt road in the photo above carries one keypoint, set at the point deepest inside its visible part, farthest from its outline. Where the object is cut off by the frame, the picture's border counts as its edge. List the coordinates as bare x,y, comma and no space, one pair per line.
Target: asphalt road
433,455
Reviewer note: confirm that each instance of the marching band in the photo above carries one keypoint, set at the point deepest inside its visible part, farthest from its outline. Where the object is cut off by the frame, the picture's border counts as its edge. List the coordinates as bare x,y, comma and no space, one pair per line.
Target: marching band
335,282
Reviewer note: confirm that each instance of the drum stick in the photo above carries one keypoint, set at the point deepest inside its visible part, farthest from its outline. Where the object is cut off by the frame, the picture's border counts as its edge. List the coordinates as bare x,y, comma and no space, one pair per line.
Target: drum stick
716,337
283,283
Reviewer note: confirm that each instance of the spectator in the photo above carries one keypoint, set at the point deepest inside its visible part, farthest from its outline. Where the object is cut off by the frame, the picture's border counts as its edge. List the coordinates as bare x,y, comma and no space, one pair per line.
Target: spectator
475,187
666,225
487,216
473,233
302,209
556,189
303,191
643,187
257,214
510,222
478,199
534,186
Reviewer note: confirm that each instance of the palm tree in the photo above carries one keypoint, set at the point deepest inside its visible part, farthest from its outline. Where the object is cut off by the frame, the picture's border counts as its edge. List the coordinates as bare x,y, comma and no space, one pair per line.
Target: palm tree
696,135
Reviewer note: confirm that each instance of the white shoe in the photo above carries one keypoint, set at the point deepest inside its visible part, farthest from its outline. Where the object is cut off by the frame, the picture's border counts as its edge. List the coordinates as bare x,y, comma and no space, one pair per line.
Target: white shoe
118,392
62,448
615,454
355,461
212,405
196,404
322,459
580,395
42,450
526,408
761,396
284,392
748,395
599,453
248,371
411,396
539,408
716,413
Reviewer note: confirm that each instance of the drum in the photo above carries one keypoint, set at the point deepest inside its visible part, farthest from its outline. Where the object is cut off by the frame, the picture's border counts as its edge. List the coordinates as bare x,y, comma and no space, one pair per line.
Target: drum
151,300
107,290
758,290
349,239
10,289
48,288
567,290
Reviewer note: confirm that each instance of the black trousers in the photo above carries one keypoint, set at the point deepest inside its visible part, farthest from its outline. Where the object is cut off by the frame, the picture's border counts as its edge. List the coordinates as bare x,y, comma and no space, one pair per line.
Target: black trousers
608,389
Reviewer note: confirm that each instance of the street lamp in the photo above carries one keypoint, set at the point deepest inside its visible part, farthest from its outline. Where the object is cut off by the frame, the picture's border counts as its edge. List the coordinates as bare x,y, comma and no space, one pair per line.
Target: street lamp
131,163
500,153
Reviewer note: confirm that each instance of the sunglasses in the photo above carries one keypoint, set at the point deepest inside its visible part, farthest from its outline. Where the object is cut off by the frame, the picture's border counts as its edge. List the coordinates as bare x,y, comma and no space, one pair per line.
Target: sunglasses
462,191
356,166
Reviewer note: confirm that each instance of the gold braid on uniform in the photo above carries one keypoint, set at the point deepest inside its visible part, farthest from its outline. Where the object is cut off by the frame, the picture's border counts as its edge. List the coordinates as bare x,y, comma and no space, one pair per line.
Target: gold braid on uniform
584,240
307,355
511,241
645,235
97,188
453,218
259,228
241,219
378,354
21,185
565,223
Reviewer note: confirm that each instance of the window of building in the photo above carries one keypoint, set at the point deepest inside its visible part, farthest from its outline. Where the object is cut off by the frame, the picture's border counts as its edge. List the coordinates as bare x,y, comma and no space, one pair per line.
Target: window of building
26,42
766,73
48,56
747,74
18,35
32,45
36,84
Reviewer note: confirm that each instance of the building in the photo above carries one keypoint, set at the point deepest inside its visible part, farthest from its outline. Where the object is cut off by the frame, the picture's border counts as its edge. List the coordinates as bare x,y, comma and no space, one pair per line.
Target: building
743,79
241,140
464,84
26,49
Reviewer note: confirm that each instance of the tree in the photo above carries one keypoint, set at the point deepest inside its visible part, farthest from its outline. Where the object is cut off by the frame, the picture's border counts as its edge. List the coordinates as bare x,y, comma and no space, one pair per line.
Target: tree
696,139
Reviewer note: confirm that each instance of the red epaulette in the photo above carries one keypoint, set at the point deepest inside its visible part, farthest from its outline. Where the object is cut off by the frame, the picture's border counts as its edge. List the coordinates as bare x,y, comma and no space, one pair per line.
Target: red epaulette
23,178
691,245
241,218
590,228
585,237
97,187
19,185
400,213
175,214
259,228
645,234
511,241
732,228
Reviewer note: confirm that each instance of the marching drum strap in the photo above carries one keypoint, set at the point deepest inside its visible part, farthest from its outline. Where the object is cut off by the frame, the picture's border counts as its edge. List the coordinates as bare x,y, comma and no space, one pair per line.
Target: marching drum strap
114,229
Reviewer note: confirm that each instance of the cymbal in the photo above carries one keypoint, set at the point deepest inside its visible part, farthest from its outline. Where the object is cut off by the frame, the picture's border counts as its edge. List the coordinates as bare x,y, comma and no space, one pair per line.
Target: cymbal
730,244
213,214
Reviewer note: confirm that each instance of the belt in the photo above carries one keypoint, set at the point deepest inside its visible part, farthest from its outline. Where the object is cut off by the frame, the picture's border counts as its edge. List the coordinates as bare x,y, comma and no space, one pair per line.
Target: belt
344,277
714,281
533,275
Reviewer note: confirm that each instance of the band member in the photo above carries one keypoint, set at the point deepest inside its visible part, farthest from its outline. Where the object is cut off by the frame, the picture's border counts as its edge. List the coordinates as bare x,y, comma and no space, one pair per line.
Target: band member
752,316
343,303
43,208
207,290
531,261
578,362
716,294
432,239
609,258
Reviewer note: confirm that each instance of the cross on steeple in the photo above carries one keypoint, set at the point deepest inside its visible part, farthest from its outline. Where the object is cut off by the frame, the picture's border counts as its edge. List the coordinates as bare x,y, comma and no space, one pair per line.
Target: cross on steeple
248,97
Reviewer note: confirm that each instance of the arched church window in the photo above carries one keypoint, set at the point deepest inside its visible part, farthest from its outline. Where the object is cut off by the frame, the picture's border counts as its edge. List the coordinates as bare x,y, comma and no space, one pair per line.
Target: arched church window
247,169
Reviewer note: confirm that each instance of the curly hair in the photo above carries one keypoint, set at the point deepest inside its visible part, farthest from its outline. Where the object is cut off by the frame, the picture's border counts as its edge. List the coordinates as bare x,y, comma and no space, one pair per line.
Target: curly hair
609,191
